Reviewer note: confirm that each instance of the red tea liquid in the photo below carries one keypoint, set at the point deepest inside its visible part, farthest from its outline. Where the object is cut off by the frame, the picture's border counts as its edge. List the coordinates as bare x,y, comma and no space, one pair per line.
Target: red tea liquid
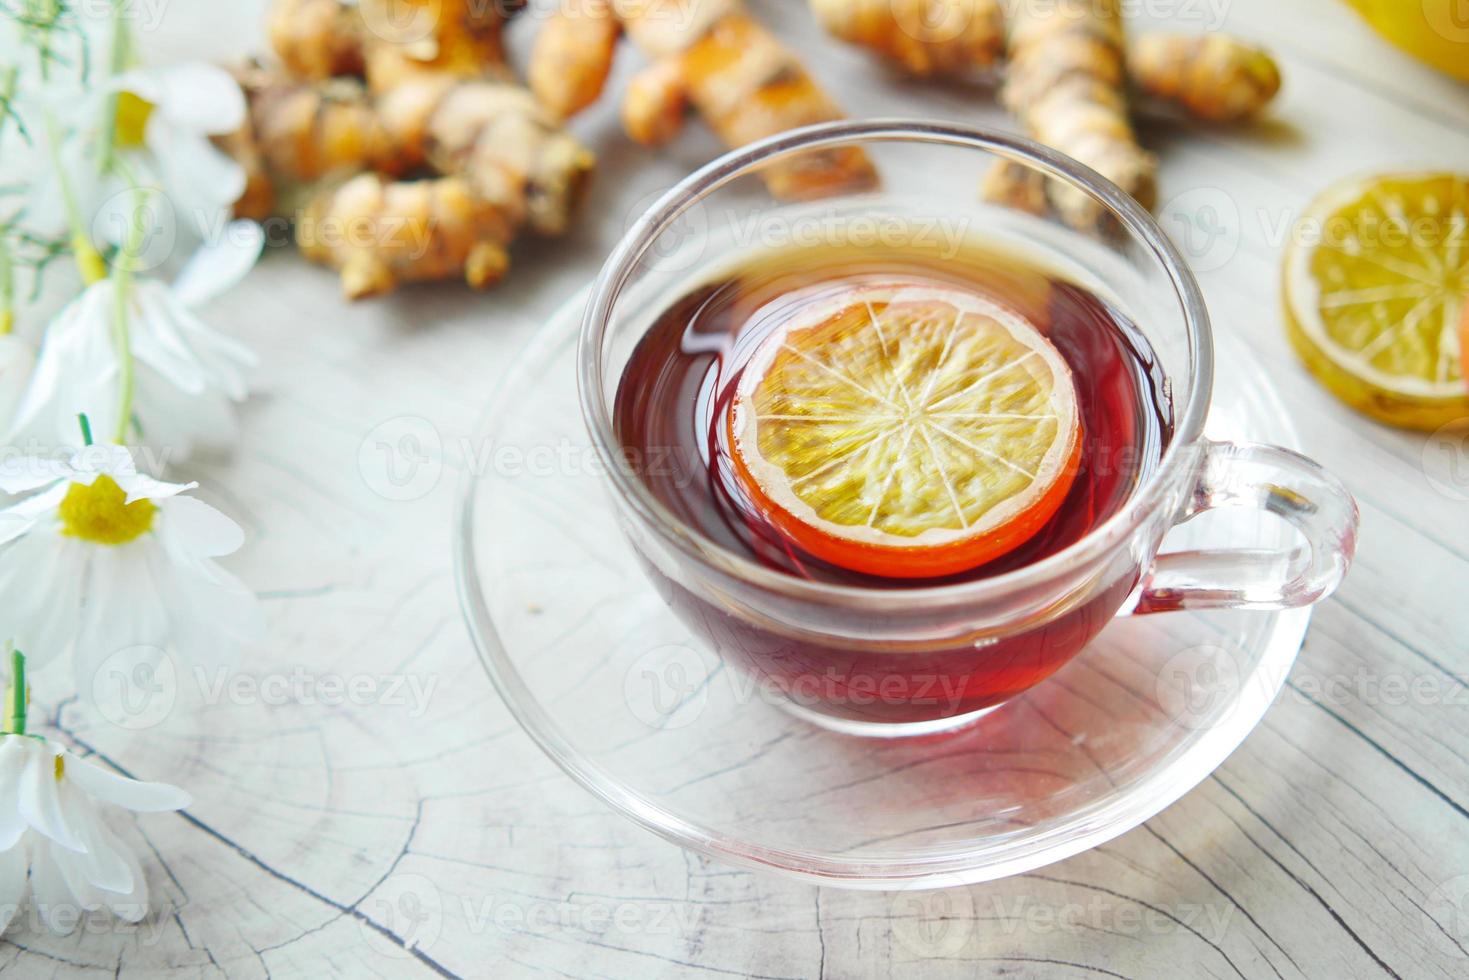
670,413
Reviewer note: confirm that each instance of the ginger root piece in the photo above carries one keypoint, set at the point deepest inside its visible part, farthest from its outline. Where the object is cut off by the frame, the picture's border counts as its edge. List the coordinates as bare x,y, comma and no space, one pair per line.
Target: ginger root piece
656,102
925,37
304,131
406,38
1212,77
434,95
389,40
379,233
316,39
1066,84
1014,186
573,56
742,80
497,137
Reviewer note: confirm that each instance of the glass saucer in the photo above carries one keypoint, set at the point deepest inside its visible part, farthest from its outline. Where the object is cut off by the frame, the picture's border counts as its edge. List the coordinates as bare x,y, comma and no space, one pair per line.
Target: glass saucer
615,689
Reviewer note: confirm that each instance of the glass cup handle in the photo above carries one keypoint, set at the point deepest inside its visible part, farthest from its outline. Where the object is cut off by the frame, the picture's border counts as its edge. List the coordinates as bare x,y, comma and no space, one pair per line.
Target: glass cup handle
1271,479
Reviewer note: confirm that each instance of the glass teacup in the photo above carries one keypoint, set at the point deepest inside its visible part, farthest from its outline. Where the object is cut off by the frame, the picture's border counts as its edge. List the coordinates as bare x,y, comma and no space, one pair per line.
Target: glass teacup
913,660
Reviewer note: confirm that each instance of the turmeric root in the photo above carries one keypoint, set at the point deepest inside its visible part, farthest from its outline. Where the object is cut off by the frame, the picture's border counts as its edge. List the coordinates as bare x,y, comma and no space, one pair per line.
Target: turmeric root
434,94
304,131
713,55
747,86
316,39
1014,186
386,40
497,137
493,134
1065,83
656,101
379,233
924,37
408,38
573,56
1215,77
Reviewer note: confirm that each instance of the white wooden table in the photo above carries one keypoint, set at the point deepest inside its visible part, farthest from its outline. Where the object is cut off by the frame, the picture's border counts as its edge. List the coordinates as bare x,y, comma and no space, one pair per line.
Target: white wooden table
1333,843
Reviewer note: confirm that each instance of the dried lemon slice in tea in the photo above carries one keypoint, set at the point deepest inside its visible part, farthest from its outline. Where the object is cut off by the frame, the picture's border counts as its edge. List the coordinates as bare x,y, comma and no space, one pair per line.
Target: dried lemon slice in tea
1375,283
907,431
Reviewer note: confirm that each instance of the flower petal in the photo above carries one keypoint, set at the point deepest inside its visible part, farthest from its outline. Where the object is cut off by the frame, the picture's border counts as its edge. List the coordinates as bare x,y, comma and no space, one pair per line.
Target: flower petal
42,577
58,907
187,350
40,803
103,457
13,868
12,765
212,614
194,96
132,905
76,371
130,794
124,608
218,265
203,181
141,486
199,529
19,518
101,865
158,343
23,474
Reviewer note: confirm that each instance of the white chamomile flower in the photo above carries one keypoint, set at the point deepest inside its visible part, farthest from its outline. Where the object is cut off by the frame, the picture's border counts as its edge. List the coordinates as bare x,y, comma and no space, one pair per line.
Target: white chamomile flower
152,124
186,374
100,557
164,120
51,832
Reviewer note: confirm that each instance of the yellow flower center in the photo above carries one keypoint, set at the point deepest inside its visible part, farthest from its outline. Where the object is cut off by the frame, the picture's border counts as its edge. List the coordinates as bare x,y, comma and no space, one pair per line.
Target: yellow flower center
60,768
132,120
99,513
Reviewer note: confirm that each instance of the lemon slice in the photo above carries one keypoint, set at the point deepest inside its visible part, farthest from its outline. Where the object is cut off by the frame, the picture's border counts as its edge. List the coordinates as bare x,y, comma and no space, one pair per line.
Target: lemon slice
1375,282
907,431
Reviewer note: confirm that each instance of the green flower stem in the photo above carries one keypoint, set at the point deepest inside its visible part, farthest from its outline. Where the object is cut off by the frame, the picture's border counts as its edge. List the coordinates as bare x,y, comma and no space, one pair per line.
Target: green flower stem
117,57
18,697
122,287
88,259
7,287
